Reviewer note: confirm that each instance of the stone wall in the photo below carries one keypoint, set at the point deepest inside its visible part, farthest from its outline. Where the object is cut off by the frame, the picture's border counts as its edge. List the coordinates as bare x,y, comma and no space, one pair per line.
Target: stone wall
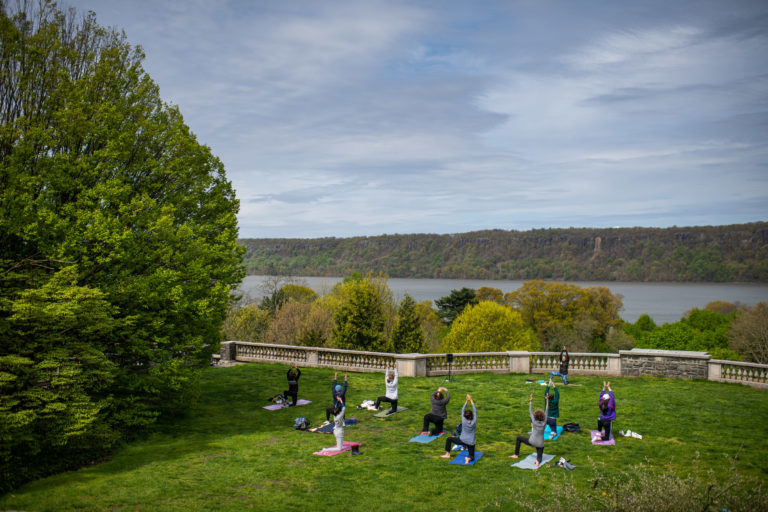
664,363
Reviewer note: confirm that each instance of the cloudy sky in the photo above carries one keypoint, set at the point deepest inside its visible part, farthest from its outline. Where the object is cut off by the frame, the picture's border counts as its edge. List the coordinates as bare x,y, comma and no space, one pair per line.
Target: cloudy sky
347,118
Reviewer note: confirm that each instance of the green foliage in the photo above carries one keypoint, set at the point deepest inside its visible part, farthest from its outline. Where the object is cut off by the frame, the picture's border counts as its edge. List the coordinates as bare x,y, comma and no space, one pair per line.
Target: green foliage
359,322
246,323
563,313
451,306
55,379
299,293
489,327
708,253
96,170
749,333
702,330
407,336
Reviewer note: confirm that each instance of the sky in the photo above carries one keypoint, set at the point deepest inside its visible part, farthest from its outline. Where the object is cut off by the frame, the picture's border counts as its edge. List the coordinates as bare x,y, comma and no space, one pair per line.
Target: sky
361,118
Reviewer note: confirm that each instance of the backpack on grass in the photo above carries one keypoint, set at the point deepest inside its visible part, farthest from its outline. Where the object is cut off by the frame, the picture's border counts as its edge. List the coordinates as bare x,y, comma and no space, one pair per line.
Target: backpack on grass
301,423
572,427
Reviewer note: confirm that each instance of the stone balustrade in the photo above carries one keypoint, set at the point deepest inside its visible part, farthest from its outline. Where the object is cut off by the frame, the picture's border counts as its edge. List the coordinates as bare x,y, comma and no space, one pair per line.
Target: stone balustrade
627,363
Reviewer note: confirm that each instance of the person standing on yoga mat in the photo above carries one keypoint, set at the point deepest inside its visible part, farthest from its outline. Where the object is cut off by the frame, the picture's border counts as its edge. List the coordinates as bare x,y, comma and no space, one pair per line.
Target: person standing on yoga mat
607,404
338,425
337,391
390,383
467,437
293,383
438,414
564,360
538,423
554,408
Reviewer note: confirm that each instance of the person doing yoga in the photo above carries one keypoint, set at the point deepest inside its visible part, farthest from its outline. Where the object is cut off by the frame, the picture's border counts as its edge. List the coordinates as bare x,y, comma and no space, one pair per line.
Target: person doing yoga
554,408
338,426
293,384
467,437
390,383
337,391
564,360
538,423
607,404
437,414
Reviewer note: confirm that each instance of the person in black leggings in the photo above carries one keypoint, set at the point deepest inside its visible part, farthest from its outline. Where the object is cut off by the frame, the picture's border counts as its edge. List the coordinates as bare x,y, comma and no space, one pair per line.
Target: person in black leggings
437,414
293,384
538,424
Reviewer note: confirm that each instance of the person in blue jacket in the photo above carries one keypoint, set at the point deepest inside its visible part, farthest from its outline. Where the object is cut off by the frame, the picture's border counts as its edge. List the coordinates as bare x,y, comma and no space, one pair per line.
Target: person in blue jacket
467,437
337,391
607,404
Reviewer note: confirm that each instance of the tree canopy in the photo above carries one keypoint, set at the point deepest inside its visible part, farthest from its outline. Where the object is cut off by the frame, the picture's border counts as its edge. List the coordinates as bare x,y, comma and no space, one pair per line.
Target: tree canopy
489,327
107,199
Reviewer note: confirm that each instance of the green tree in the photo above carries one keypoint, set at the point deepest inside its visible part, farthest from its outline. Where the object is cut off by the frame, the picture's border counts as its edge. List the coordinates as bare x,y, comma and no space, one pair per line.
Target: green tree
55,379
299,293
489,327
748,334
246,323
96,170
407,336
359,321
451,306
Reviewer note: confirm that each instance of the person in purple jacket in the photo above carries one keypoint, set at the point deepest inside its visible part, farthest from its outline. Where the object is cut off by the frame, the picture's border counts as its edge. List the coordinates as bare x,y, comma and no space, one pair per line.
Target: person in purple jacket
607,404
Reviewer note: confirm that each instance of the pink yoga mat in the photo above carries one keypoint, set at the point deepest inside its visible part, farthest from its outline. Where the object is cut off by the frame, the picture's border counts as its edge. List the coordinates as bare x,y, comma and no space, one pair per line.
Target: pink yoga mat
347,445
275,407
596,433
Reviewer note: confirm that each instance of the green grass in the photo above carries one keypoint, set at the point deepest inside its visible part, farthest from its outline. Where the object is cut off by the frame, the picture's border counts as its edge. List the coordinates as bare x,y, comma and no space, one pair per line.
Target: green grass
229,453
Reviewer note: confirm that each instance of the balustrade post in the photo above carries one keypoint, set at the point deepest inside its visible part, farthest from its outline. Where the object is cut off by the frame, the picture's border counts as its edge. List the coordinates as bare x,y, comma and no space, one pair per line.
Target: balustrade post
613,368
312,358
411,365
519,362
228,351
714,371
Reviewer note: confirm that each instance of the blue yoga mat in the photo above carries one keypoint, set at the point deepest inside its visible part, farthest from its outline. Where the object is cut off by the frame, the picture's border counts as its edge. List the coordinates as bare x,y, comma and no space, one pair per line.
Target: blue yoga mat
464,453
548,431
423,438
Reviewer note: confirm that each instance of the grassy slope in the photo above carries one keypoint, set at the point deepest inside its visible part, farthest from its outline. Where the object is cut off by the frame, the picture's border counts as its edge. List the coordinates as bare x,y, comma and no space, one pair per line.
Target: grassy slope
230,454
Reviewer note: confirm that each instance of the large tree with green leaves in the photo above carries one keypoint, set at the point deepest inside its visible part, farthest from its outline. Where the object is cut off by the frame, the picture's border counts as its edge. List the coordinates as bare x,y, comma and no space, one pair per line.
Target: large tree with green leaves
359,319
102,180
489,327
407,336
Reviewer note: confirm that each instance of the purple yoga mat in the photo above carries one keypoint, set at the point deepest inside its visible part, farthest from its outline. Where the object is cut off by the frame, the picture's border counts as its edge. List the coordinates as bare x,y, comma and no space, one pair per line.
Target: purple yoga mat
596,433
347,445
275,407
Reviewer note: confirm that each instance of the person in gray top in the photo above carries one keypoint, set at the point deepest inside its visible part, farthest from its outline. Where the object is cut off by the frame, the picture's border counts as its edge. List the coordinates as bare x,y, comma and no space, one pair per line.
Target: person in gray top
437,414
467,437
538,423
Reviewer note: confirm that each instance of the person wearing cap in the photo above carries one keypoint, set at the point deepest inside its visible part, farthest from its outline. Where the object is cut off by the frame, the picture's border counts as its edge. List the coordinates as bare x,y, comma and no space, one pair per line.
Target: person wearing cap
607,404
337,391
390,383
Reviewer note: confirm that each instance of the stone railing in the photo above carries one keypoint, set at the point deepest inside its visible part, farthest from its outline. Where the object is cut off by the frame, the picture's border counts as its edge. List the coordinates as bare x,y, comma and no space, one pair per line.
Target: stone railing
627,363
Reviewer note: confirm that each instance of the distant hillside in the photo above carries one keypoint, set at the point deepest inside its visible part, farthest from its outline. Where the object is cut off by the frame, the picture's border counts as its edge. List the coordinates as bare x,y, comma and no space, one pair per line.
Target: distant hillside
736,253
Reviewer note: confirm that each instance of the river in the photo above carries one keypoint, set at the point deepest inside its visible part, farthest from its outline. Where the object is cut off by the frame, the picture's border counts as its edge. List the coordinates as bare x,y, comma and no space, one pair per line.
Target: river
664,302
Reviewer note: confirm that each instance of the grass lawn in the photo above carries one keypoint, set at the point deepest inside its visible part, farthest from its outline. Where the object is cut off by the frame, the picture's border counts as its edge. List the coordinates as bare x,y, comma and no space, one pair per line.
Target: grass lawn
229,453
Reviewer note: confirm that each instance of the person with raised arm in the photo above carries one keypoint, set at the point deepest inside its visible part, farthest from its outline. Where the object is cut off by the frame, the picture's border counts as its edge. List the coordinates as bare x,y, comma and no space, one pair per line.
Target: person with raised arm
437,415
554,408
564,359
293,383
536,440
467,437
607,405
337,390
390,395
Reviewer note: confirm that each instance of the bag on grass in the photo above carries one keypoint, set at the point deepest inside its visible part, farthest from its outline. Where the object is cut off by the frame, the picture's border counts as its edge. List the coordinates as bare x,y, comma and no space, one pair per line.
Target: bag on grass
277,399
301,423
572,427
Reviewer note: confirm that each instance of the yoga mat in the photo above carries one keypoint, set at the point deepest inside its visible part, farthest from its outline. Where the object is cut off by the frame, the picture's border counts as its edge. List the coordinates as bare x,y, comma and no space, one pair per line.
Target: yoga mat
346,446
548,431
424,438
530,461
464,453
596,433
383,414
328,429
275,407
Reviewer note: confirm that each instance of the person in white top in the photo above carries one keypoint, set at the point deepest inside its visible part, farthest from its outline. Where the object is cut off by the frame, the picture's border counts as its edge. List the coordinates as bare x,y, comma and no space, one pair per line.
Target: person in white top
390,381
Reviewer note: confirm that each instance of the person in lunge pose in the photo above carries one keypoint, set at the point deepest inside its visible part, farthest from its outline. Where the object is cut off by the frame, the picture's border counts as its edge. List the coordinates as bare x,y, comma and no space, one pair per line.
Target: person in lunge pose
553,399
338,426
293,384
607,404
564,360
337,390
390,382
467,437
437,414
538,423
